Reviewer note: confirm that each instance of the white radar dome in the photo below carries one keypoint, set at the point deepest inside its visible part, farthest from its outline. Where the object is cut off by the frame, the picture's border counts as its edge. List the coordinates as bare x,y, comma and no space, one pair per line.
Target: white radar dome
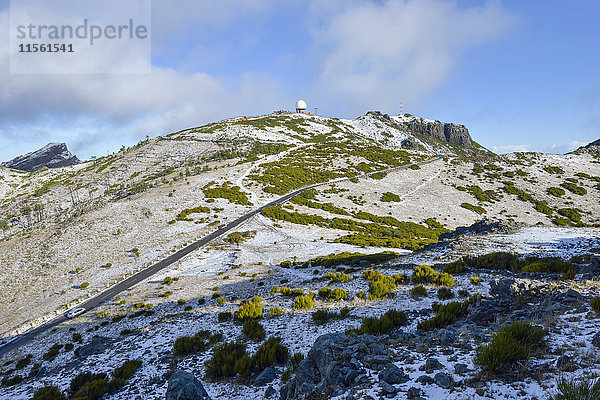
301,105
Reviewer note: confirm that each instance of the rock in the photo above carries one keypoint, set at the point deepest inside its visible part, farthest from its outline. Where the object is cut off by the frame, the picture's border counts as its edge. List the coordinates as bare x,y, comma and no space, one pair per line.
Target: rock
319,371
424,379
268,375
596,340
443,380
183,385
413,393
377,348
564,362
461,369
375,362
447,337
270,392
53,155
595,263
484,311
97,345
509,288
451,133
387,388
432,364
392,374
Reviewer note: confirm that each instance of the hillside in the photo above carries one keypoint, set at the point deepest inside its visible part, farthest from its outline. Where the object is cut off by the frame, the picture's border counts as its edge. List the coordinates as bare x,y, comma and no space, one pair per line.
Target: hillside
70,232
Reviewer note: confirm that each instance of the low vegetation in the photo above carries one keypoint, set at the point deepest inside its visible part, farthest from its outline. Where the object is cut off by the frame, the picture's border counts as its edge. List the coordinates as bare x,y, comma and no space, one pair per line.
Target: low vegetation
426,274
510,346
252,309
386,323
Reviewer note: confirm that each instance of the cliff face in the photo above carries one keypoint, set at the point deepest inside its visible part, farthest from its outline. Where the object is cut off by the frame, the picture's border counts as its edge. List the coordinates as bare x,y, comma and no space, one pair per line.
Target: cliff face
448,132
53,155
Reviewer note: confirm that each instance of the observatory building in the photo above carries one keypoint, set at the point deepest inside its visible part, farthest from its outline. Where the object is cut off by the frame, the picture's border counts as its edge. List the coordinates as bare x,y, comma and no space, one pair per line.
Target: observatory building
301,106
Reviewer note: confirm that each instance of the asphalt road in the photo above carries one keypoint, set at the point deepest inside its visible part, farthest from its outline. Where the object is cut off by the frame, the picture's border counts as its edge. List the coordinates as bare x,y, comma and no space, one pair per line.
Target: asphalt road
164,263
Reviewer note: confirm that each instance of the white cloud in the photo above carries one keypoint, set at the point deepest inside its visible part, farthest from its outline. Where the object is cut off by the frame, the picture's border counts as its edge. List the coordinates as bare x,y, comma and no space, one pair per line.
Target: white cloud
378,54
566,147
511,148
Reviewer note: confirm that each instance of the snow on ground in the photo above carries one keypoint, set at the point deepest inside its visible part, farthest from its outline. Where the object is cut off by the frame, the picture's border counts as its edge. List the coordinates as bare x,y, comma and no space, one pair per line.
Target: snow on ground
202,271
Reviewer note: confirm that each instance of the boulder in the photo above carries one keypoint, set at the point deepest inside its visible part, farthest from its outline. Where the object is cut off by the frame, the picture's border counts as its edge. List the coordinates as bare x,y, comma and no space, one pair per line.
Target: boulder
443,380
596,340
270,392
97,345
564,362
432,364
183,385
268,375
387,388
392,375
319,372
509,288
461,368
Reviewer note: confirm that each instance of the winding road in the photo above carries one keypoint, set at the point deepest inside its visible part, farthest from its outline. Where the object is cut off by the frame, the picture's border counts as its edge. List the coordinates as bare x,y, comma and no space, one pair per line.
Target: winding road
164,263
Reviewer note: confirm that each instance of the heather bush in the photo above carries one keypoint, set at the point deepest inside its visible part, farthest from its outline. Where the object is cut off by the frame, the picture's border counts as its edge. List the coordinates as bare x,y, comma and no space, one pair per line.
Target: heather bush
389,321
510,346
426,274
249,309
253,330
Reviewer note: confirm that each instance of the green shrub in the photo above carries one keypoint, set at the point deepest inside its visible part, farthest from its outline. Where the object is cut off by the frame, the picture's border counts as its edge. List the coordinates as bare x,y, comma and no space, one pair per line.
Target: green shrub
82,378
426,274
304,302
418,291
93,390
555,191
52,352
444,293
275,311
573,188
401,279
224,316
201,341
249,309
463,293
455,267
221,301
84,285
568,389
471,207
181,302
475,280
572,213
445,315
243,366
389,197
323,316
127,370
222,363
23,362
48,393
337,277
509,347
379,285
15,380
270,353
595,304
389,321
253,330
333,295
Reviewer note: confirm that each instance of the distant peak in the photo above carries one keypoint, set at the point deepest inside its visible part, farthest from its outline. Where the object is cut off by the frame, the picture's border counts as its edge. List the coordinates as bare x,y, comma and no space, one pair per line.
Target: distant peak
52,155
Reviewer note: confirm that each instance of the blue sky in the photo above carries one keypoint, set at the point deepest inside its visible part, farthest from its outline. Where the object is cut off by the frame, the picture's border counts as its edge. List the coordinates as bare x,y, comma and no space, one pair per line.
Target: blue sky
521,75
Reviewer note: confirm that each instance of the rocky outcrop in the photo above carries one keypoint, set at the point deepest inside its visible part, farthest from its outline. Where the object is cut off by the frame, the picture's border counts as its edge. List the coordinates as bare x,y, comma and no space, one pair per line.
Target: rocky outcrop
447,132
97,345
53,155
511,288
336,362
482,227
184,385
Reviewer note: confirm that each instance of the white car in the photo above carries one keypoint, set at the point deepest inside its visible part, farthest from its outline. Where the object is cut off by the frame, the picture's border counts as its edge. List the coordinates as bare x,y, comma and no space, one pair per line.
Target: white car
75,312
